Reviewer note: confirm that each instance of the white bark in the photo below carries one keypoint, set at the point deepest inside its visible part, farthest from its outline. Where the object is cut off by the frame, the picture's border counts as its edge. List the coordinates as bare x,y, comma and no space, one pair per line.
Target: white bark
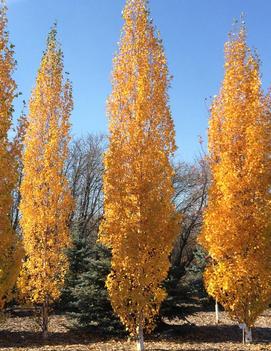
248,334
140,337
216,312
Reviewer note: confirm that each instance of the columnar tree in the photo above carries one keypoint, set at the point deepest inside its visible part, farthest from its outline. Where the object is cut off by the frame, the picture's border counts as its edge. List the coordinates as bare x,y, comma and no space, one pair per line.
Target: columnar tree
46,201
140,222
237,222
10,248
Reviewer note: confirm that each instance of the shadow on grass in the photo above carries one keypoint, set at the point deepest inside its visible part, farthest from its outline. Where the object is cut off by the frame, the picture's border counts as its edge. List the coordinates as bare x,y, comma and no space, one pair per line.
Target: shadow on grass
172,333
34,339
212,333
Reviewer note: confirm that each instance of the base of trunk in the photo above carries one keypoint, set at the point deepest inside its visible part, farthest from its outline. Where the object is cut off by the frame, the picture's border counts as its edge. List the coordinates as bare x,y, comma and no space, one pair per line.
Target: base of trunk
45,319
247,334
216,312
140,345
140,336
45,335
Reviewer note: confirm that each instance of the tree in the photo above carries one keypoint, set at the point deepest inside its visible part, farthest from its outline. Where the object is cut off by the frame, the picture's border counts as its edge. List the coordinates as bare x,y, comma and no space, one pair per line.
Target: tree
237,220
190,196
85,293
84,170
10,248
184,279
46,201
140,221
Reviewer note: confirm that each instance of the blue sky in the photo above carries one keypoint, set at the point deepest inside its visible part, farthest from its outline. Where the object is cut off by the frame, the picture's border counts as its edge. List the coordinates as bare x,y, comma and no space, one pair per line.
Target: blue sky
193,32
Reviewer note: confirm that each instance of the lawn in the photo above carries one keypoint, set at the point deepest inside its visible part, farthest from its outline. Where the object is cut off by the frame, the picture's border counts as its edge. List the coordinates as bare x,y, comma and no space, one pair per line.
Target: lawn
21,333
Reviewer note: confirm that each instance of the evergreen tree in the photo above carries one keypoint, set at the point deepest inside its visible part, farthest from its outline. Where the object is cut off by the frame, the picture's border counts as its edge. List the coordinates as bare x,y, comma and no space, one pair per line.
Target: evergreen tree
85,295
185,290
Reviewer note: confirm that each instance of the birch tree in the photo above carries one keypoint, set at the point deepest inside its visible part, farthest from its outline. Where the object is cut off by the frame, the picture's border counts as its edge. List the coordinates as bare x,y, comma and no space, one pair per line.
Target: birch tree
237,221
46,201
140,221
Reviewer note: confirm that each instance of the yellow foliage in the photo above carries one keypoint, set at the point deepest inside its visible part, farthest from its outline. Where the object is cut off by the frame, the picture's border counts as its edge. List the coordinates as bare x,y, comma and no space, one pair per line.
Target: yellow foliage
140,221
10,248
237,222
46,199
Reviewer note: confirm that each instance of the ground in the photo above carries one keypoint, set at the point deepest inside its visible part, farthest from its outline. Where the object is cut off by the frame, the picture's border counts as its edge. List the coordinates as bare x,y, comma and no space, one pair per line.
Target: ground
21,334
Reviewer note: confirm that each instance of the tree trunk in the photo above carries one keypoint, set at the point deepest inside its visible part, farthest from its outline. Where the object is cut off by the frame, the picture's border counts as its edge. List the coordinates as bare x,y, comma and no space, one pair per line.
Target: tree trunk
247,335
216,312
45,319
140,336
